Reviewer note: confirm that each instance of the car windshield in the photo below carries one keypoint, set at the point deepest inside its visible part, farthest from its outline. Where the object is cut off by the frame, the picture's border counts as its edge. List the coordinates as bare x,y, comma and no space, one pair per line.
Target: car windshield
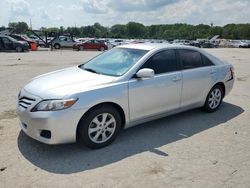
115,62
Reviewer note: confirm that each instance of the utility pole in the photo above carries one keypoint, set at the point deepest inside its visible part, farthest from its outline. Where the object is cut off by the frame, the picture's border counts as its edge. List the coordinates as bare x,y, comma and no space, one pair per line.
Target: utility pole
30,25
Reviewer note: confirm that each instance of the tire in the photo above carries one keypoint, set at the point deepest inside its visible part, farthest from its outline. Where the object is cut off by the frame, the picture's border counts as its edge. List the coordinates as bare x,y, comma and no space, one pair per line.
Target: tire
42,45
19,49
102,49
94,132
81,48
214,99
57,46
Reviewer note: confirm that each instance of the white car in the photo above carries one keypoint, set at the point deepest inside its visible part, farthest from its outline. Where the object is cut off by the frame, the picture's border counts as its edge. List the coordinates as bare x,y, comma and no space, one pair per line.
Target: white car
239,44
122,87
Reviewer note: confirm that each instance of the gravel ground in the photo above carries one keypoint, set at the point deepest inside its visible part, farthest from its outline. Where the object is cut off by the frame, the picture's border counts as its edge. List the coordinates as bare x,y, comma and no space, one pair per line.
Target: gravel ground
191,149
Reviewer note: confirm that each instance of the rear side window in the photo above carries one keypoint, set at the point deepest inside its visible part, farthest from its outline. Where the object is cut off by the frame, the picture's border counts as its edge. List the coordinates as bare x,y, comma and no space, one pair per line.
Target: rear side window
206,61
162,62
190,59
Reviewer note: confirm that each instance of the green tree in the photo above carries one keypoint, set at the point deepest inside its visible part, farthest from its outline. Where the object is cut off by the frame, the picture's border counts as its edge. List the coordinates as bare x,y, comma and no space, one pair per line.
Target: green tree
135,30
118,31
19,27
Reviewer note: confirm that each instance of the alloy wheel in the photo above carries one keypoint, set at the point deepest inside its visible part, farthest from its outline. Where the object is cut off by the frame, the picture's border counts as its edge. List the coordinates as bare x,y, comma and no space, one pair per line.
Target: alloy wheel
214,98
101,128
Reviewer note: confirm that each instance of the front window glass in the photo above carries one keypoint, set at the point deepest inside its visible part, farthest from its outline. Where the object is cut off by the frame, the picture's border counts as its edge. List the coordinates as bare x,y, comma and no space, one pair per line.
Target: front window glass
115,62
162,62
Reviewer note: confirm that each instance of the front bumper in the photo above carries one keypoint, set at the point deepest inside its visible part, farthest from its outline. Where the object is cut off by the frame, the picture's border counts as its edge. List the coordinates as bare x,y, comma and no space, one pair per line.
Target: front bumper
61,125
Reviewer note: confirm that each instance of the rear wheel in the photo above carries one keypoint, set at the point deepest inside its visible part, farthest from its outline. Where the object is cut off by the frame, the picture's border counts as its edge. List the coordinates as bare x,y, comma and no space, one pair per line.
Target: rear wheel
214,99
99,127
19,49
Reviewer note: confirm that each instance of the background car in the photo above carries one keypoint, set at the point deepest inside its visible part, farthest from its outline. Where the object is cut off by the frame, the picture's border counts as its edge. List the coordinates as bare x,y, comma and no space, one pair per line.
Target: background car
195,44
91,45
8,43
63,42
239,44
39,42
24,38
79,40
207,44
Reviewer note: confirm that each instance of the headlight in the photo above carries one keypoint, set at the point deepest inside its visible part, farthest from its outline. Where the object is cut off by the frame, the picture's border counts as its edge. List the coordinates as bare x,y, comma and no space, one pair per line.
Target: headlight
53,105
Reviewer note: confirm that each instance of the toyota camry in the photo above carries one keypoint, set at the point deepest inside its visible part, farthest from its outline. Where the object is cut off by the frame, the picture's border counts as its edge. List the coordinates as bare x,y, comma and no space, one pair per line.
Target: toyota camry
128,85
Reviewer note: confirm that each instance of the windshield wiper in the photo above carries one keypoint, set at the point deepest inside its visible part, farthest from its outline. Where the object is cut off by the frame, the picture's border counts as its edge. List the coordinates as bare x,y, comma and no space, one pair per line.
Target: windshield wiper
91,70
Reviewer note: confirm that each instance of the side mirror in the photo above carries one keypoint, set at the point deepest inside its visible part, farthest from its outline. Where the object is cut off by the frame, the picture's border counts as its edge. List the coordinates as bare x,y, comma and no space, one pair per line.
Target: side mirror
145,73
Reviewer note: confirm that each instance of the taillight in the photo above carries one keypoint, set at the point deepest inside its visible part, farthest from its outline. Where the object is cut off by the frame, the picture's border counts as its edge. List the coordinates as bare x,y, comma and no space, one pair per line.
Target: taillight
232,72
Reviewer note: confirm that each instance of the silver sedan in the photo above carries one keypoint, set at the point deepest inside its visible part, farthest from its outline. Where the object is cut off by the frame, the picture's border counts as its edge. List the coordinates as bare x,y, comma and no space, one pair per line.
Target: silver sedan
125,86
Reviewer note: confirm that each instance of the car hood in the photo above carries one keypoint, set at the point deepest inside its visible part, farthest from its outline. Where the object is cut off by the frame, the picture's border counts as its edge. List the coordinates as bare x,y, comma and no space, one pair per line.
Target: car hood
66,82
21,42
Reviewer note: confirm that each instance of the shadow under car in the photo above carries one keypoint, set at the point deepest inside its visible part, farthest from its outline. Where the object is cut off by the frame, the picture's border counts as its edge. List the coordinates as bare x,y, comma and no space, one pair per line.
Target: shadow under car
72,158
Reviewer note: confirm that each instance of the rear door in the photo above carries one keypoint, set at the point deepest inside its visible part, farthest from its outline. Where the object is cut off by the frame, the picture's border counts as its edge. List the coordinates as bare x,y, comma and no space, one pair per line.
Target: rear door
197,73
160,94
88,44
1,44
8,44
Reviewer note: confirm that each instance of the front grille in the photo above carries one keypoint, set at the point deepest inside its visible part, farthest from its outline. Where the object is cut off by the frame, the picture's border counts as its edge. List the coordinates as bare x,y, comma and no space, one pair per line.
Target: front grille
25,102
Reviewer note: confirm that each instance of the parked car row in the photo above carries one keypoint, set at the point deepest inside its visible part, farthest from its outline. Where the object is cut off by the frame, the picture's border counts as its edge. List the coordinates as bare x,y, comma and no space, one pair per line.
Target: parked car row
24,38
80,44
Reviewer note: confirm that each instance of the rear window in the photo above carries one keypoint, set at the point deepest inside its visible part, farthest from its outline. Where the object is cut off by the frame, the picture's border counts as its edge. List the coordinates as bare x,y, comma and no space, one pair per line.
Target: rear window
206,61
190,59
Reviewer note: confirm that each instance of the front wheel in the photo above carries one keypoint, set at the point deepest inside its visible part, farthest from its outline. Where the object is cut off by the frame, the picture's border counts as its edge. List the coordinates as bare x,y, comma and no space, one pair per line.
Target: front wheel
214,99
99,127
81,48
57,46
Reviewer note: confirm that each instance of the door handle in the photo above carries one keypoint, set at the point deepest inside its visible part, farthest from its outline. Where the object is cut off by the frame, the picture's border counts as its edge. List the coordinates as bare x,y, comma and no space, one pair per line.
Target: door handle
212,71
176,79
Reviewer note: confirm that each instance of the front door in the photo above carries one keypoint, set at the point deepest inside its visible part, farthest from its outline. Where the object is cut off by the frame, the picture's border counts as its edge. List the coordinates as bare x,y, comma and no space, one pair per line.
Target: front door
159,94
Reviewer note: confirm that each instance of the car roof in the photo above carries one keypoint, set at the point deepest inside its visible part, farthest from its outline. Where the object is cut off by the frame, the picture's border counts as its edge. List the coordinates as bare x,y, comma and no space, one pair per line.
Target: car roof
159,46
5,36
155,46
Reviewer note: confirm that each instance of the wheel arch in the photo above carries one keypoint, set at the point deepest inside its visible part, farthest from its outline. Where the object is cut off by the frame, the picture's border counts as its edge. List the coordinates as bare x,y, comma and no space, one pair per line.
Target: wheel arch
114,105
223,87
57,44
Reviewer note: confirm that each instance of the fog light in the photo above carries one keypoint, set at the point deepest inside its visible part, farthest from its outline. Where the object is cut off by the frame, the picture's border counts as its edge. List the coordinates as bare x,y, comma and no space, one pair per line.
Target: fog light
45,134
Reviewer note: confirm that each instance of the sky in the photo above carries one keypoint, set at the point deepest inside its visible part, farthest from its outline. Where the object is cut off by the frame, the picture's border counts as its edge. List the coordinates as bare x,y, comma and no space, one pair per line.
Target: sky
55,13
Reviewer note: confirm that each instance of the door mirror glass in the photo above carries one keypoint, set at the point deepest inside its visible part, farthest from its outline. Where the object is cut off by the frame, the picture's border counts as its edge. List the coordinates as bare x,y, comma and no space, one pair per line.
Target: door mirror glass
145,73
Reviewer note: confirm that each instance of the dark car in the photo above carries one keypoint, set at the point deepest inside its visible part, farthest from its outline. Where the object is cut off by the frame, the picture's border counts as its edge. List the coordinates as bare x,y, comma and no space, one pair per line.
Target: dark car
207,44
23,38
195,44
91,45
10,44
